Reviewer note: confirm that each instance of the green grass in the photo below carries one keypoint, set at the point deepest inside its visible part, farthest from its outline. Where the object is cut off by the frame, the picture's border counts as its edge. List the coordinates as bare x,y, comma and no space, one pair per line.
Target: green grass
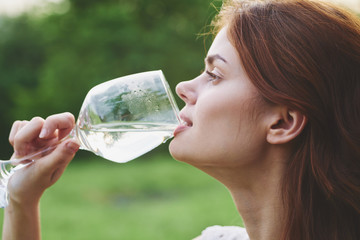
153,197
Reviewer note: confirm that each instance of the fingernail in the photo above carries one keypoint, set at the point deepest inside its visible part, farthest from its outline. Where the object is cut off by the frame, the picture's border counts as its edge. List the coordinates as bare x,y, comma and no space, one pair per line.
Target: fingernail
72,146
43,133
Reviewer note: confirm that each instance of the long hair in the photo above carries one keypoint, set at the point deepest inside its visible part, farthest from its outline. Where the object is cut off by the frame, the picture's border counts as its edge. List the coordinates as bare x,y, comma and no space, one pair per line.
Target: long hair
305,54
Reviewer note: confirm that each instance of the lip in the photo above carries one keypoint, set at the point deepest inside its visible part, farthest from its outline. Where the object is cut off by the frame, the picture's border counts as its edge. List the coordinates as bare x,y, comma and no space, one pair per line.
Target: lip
180,129
185,124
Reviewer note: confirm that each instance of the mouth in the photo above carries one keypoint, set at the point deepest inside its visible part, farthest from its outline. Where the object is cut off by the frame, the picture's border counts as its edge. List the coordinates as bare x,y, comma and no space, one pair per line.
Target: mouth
185,124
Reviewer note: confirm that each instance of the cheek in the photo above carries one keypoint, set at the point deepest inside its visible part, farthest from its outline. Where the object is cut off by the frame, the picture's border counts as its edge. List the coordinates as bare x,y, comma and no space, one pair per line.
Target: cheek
223,116
228,127
218,124
223,131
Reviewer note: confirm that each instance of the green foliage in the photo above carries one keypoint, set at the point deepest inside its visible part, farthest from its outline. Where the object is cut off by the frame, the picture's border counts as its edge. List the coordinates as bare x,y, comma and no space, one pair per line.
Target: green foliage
49,62
153,197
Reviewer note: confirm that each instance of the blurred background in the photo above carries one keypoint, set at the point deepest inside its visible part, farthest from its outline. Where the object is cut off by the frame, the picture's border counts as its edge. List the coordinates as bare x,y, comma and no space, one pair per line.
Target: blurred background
52,52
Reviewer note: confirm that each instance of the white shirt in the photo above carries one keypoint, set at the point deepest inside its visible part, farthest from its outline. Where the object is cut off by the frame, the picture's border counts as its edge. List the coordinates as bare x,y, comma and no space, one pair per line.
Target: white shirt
224,233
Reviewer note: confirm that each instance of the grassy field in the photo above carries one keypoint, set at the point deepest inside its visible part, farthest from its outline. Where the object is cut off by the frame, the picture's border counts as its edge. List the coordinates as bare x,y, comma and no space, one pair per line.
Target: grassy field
153,197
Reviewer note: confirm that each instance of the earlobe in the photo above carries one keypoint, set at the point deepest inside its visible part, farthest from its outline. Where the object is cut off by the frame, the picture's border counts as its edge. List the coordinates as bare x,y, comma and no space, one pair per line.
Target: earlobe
286,127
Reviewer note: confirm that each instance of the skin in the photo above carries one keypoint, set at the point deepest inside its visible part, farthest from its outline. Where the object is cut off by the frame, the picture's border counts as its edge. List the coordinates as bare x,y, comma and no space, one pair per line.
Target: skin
26,186
236,137
229,133
221,104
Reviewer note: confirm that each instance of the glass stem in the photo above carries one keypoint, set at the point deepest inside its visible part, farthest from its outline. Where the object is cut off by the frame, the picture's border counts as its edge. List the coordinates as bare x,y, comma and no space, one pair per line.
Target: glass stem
44,151
9,167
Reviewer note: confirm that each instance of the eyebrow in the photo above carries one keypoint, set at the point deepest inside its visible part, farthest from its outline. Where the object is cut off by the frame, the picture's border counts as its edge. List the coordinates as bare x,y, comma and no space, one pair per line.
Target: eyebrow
210,59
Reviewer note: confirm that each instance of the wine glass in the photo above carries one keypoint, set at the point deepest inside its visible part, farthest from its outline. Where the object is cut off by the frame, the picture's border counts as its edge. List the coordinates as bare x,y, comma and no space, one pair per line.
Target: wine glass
119,120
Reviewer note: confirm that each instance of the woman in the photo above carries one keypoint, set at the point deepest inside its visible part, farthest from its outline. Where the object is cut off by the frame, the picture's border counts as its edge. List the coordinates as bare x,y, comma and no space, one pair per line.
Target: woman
274,117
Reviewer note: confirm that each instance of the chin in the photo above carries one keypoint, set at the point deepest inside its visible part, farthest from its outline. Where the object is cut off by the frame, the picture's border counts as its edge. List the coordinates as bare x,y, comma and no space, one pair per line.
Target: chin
178,152
186,153
174,150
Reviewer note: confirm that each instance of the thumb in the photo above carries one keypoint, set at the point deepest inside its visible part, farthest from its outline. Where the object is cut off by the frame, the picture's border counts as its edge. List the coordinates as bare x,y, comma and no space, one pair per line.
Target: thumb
54,164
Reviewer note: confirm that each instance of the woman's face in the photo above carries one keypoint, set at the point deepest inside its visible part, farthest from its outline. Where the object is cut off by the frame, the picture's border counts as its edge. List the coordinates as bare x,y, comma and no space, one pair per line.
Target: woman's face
223,112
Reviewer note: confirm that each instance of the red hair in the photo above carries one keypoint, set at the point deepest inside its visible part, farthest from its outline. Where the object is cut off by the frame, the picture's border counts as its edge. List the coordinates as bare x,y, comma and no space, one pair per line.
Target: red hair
305,54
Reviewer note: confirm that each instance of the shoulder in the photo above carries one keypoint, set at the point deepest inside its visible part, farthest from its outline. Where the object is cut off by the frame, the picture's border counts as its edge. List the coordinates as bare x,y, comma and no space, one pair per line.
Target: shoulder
223,233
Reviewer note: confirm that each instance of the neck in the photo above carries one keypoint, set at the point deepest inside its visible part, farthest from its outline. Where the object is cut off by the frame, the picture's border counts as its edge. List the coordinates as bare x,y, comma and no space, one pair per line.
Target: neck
261,210
256,191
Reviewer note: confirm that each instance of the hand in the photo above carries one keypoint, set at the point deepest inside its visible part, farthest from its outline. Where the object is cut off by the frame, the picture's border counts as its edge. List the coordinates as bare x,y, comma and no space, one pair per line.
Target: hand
27,184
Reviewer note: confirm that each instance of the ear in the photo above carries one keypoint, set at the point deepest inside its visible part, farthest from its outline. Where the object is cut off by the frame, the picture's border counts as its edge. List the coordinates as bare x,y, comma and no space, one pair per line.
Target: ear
285,126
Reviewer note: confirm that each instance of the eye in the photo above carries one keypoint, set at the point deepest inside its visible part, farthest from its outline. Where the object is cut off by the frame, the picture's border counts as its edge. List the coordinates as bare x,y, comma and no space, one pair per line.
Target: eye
213,76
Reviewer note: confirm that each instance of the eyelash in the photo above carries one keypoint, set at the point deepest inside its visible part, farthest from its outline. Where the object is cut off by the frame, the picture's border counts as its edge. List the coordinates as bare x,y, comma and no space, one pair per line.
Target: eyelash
213,76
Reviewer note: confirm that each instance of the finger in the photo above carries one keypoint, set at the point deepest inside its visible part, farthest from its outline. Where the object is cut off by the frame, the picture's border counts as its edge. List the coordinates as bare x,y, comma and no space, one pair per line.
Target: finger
17,125
27,134
54,164
63,122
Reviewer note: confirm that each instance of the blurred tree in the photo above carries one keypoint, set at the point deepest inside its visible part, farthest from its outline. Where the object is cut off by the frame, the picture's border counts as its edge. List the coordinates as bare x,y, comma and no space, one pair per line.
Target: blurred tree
21,59
49,62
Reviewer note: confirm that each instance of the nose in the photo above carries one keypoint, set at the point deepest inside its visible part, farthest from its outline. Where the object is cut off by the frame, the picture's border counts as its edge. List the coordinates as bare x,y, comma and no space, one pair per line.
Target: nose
186,91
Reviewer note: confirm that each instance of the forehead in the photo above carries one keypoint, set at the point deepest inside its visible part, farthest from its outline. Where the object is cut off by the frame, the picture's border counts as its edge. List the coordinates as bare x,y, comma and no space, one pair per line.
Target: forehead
223,47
